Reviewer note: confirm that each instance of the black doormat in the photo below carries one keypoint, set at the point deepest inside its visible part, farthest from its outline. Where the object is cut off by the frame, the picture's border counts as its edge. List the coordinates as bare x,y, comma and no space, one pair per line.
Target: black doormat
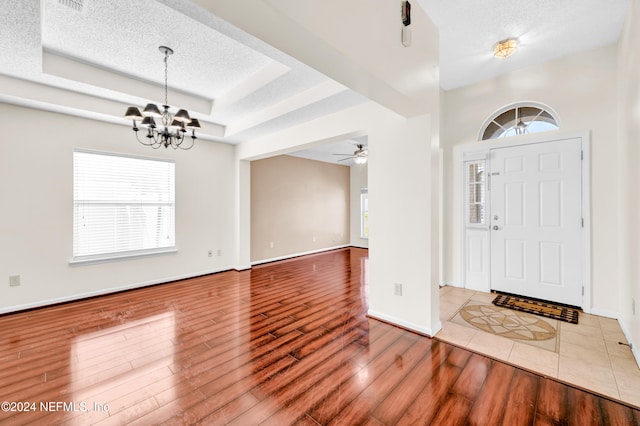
536,307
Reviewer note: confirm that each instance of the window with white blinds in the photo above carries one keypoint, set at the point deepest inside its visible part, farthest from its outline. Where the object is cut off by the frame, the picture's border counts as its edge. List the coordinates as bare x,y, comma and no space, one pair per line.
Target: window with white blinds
476,192
122,206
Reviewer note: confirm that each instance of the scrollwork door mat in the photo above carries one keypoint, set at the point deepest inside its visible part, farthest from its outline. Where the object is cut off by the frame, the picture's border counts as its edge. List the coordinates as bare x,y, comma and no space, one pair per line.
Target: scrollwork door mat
536,307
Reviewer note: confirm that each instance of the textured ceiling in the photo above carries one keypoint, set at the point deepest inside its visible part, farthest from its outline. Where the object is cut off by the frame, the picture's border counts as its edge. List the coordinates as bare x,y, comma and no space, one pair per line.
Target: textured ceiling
97,60
546,30
113,35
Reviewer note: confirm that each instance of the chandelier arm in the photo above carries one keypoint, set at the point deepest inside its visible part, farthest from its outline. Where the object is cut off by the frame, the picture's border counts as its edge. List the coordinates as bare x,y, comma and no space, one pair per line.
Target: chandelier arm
141,141
151,141
181,146
177,140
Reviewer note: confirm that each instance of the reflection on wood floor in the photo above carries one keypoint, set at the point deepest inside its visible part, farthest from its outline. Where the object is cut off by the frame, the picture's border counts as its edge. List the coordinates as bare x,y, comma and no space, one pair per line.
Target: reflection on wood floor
283,343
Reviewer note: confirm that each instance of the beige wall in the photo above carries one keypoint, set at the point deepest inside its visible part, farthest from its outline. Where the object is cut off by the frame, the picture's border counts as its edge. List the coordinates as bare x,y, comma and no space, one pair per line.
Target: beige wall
582,90
297,206
629,207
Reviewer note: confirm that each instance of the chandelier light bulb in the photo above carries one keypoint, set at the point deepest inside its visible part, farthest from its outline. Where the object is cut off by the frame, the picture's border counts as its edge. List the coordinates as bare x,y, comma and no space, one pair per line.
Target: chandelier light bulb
360,160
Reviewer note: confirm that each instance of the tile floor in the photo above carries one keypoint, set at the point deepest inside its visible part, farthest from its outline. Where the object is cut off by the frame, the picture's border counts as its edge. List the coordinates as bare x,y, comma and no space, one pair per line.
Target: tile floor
588,356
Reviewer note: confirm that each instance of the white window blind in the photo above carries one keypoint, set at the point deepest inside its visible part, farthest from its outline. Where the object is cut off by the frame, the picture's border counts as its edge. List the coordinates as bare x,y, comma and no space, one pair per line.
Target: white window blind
476,192
122,206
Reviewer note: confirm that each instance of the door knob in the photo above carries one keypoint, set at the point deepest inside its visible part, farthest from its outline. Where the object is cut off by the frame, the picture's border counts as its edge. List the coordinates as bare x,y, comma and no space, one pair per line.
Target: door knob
496,227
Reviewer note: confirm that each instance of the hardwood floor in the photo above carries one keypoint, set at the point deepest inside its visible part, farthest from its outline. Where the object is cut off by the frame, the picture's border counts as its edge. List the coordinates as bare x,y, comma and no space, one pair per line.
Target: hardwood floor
284,343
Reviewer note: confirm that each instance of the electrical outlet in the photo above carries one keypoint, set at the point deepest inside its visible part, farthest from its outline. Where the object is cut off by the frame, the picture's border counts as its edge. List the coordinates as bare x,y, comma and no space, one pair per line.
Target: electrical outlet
219,252
271,244
14,280
397,289
210,253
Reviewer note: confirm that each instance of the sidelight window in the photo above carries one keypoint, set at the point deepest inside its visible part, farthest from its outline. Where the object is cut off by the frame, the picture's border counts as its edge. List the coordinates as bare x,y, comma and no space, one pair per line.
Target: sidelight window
476,192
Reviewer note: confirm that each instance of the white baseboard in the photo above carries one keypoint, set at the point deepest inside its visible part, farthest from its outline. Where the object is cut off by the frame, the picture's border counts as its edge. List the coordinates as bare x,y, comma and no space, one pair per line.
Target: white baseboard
451,284
243,267
405,324
80,296
634,347
291,256
102,292
362,246
602,313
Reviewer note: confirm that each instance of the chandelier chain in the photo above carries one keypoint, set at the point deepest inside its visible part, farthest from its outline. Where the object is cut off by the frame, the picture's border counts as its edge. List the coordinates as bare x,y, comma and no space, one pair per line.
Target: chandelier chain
166,57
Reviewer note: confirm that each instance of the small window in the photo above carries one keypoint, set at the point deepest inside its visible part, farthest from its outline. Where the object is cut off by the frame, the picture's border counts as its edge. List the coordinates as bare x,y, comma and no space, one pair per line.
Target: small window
364,213
519,120
476,192
122,206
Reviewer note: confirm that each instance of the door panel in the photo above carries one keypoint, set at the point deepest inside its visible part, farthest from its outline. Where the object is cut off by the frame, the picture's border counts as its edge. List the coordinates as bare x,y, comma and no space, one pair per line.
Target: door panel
536,214
514,259
514,204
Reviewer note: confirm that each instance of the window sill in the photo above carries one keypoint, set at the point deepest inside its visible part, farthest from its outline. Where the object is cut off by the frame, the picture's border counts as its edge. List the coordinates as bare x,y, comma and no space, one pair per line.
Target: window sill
115,257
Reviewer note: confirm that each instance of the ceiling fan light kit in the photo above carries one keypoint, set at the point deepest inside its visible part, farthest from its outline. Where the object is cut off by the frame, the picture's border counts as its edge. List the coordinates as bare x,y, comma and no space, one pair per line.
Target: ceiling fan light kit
359,156
360,159
173,127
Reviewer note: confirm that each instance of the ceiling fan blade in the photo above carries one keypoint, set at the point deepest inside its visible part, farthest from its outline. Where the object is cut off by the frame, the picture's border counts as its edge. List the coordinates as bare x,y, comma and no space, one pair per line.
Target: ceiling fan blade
343,154
344,159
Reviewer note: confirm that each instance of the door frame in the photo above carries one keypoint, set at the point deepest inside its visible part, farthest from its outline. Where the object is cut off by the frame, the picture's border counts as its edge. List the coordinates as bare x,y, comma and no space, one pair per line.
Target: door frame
481,149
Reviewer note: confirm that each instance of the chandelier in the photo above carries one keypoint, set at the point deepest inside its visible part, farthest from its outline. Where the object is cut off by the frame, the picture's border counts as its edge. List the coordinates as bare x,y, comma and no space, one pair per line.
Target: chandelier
172,129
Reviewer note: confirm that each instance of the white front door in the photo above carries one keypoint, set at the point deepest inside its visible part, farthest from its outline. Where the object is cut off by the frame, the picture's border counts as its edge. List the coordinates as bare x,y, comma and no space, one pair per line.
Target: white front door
536,220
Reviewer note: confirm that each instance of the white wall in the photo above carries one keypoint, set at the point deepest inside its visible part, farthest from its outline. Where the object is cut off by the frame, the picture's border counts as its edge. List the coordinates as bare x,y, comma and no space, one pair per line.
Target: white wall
582,90
403,225
358,180
36,218
629,207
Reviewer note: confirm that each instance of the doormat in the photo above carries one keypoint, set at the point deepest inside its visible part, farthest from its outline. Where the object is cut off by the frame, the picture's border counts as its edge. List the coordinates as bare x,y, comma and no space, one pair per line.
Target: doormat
536,307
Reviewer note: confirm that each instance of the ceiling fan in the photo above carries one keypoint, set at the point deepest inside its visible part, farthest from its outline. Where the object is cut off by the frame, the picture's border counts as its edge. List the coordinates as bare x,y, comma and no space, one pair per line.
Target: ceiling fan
359,156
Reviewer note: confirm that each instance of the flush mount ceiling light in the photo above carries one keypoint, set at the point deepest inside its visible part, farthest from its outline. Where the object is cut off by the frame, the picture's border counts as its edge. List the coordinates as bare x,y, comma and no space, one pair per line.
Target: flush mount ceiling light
505,48
172,128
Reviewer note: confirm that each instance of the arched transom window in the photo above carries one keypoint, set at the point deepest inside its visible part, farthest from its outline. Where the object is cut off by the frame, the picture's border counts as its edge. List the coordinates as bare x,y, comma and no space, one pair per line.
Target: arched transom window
519,119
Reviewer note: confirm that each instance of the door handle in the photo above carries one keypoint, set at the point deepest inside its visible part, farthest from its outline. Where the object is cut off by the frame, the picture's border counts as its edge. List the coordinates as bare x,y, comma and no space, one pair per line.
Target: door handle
496,227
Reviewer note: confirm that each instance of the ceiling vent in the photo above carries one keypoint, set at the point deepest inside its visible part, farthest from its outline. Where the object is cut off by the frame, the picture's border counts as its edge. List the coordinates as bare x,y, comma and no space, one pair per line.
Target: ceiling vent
73,4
